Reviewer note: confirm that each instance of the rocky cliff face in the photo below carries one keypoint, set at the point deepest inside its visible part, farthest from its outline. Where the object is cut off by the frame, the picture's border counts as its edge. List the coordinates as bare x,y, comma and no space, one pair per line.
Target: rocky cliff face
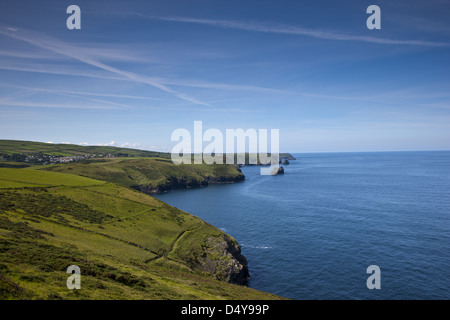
173,183
223,258
223,179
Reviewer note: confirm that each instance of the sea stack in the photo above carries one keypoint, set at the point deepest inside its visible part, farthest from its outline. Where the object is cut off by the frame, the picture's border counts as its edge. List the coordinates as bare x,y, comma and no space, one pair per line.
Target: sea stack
277,171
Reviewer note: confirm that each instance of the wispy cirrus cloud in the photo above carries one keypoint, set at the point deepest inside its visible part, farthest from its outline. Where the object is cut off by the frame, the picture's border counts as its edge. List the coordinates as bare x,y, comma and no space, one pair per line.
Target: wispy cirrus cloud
16,98
31,104
221,86
80,93
105,54
190,83
56,70
296,30
70,51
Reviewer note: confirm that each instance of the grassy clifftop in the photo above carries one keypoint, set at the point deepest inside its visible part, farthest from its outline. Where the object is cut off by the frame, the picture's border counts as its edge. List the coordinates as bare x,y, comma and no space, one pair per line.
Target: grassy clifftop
63,205
147,171
151,175
128,245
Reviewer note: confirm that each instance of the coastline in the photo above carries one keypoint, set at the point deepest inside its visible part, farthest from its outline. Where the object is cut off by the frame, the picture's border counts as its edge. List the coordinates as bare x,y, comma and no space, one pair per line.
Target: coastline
219,255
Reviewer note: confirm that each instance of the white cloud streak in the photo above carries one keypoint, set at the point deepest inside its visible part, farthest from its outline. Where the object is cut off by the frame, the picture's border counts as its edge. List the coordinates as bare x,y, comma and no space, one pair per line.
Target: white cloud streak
192,83
30,104
57,70
81,93
74,53
298,31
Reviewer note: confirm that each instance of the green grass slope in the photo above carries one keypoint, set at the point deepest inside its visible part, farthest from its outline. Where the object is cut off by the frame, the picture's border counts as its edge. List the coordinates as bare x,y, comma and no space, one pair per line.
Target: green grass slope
150,175
127,244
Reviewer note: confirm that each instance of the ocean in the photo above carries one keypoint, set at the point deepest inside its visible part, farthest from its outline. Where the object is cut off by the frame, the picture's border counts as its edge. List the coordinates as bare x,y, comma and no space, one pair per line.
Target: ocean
313,232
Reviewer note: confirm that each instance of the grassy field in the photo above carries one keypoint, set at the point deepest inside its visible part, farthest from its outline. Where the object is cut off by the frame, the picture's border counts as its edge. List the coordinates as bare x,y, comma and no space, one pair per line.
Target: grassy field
90,212
127,244
150,175
147,171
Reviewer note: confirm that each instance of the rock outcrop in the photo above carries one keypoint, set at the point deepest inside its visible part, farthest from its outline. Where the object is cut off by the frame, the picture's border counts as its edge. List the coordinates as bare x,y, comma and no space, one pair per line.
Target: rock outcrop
276,171
223,258
223,179
173,183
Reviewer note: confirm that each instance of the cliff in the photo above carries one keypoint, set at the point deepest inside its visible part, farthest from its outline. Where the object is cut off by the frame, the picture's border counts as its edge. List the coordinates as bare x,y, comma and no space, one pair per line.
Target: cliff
174,183
152,176
128,245
223,258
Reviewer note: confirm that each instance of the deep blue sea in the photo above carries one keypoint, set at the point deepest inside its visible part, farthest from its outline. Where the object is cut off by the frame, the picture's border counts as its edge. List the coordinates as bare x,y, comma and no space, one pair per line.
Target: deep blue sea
312,232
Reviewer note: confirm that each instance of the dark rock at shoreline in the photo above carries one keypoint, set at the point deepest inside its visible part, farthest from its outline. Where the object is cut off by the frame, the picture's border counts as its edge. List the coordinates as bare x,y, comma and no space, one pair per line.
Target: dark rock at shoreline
224,259
174,183
277,171
285,161
222,179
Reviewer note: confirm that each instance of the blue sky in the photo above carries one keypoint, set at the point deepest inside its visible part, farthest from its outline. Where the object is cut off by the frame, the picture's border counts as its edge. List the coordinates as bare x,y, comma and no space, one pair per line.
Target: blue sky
137,70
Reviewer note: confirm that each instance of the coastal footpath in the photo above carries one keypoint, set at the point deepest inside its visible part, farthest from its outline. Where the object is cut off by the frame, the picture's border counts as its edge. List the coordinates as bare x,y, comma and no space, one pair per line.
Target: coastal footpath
128,245
92,213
